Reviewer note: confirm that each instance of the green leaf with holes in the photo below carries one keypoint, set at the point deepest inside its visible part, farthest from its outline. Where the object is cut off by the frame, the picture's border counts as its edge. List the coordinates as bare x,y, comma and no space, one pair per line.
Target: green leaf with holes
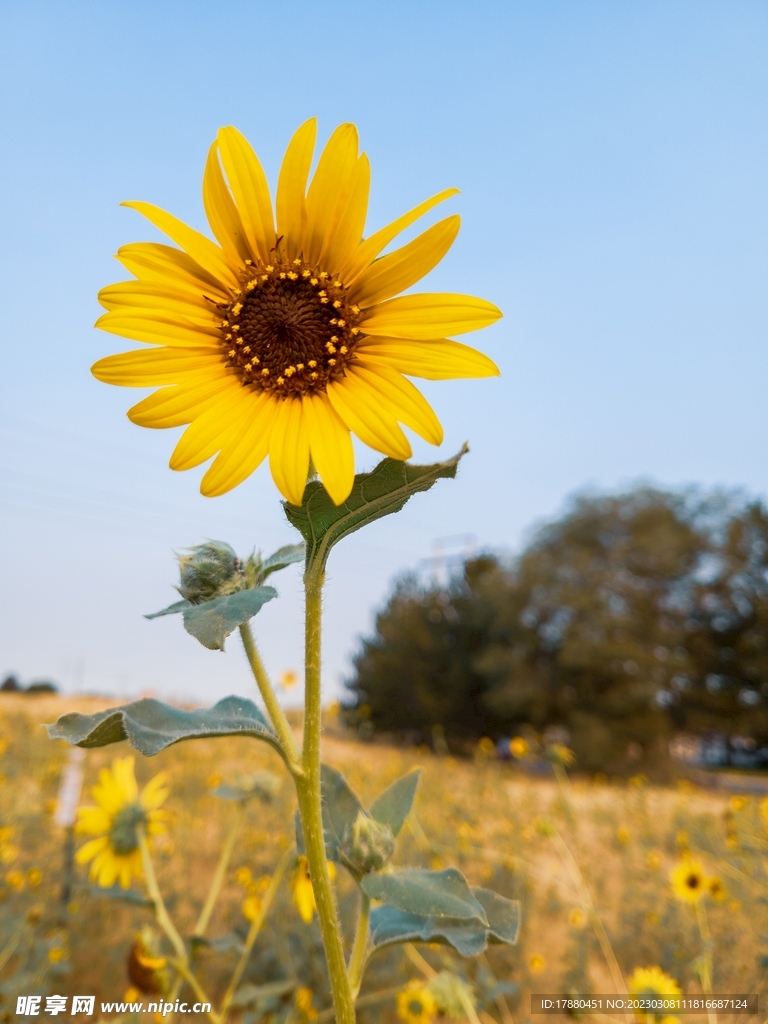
150,726
394,804
379,493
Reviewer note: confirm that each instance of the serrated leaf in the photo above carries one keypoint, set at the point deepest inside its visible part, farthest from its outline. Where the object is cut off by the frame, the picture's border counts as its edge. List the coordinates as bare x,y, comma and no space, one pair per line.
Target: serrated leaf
172,609
393,806
114,892
150,726
340,808
213,621
427,893
389,925
503,915
379,493
281,559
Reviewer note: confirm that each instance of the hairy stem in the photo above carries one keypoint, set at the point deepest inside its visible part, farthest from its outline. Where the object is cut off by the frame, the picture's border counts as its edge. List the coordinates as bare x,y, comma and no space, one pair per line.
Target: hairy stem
308,792
181,961
256,926
221,870
276,713
357,957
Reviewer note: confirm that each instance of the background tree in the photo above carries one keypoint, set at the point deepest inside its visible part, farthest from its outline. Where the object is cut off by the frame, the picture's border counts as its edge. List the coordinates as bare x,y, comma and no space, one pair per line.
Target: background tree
630,618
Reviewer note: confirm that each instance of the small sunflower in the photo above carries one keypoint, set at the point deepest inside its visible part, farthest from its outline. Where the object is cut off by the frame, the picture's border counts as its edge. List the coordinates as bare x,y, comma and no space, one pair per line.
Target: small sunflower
121,810
290,334
652,982
689,883
416,1004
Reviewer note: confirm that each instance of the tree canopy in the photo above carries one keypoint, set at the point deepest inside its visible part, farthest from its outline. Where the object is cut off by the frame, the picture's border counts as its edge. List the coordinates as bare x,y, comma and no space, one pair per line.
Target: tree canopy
632,617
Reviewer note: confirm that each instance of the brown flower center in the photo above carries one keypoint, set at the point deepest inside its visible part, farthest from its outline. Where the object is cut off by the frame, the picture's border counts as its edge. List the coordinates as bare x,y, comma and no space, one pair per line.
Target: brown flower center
291,329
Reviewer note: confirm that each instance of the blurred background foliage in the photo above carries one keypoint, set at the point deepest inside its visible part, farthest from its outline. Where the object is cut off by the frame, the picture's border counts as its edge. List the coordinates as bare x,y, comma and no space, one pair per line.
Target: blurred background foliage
630,619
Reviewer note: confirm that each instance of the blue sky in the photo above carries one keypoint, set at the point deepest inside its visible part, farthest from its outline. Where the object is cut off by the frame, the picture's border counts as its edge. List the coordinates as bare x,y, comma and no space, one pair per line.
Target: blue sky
612,159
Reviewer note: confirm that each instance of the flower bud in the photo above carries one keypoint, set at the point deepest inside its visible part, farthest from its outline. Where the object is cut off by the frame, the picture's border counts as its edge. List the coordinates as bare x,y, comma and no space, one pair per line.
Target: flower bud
453,997
205,570
368,845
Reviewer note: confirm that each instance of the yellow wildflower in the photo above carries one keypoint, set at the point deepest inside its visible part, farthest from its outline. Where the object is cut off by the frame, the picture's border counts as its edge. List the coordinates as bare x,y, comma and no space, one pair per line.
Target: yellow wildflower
303,893
689,883
288,679
416,1004
304,1003
716,889
519,748
653,860
34,877
243,876
652,982
537,963
623,834
16,880
252,908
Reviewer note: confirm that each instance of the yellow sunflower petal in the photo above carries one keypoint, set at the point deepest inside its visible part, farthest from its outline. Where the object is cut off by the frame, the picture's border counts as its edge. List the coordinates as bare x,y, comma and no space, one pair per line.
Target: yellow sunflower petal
222,213
155,792
151,261
289,450
153,367
124,775
180,404
292,188
92,821
107,871
125,873
209,432
133,297
250,190
402,268
327,197
405,401
160,328
330,445
89,850
344,237
201,249
356,403
368,250
244,450
433,360
430,315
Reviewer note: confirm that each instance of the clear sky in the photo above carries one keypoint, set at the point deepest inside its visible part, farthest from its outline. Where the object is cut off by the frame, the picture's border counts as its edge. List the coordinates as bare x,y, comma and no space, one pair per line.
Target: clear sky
613,163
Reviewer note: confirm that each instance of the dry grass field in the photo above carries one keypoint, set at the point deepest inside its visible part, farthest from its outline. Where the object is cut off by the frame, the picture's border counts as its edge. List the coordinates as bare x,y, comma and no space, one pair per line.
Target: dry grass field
606,845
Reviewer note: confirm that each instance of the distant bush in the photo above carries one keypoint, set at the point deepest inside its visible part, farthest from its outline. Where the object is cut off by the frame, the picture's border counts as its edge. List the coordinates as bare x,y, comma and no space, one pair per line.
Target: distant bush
631,618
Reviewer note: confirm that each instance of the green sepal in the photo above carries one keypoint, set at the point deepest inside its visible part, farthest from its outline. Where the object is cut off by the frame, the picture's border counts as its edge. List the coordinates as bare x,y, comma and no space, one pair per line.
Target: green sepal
390,925
379,493
340,809
150,726
115,892
393,806
172,609
212,622
427,893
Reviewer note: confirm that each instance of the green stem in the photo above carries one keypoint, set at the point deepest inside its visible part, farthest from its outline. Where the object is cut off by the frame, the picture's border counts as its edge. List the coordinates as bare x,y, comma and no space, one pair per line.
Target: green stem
256,926
181,961
357,957
308,792
218,879
276,713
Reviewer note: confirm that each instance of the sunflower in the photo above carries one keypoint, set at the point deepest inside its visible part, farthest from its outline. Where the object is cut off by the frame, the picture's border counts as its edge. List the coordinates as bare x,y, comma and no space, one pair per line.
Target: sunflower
114,853
652,983
416,1004
689,882
289,334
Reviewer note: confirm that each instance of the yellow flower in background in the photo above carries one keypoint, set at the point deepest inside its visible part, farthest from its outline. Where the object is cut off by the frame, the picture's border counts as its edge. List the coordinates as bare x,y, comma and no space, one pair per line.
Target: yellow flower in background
738,803
623,834
537,963
288,333
716,889
653,860
652,982
15,880
251,908
243,876
304,1003
416,1004
121,810
519,748
689,882
34,877
577,918
288,679
303,893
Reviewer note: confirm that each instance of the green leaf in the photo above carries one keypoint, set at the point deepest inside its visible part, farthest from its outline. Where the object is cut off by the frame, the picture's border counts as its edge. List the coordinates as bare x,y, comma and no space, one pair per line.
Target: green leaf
151,726
503,915
379,493
394,804
172,609
281,559
469,937
340,808
123,895
427,893
263,785
213,621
